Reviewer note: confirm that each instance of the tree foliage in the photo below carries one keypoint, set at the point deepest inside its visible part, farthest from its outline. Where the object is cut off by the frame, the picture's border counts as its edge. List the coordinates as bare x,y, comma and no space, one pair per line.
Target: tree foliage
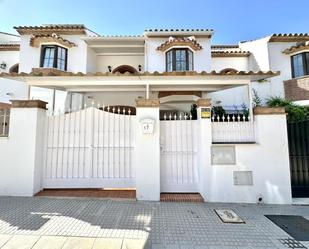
295,112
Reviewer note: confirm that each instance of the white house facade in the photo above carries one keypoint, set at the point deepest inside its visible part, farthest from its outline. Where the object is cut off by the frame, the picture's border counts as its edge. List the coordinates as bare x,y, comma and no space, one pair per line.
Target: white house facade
119,112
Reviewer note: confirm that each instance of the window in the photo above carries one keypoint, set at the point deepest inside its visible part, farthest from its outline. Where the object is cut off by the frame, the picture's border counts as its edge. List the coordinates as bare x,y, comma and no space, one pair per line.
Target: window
54,57
300,65
180,59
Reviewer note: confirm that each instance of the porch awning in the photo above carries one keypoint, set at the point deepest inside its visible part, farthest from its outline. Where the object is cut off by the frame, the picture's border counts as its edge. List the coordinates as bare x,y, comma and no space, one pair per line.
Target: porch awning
173,81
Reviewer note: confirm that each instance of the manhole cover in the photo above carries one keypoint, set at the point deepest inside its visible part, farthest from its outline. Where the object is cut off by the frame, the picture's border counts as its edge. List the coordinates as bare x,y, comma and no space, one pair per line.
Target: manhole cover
228,216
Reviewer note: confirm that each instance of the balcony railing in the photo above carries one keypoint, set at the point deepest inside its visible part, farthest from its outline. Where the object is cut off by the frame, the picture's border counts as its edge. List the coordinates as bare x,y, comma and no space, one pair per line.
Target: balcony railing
232,128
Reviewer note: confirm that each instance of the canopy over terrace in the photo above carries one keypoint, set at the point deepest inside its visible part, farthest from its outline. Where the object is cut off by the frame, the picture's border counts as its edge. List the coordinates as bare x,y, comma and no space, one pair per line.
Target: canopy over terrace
179,82
174,81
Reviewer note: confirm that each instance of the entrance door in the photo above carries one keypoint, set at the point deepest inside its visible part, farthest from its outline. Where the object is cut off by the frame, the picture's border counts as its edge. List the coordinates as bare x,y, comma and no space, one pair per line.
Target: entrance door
179,171
298,134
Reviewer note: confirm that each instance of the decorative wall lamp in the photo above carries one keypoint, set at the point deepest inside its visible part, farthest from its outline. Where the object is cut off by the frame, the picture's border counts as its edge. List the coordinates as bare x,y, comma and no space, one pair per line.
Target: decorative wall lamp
3,65
139,68
109,68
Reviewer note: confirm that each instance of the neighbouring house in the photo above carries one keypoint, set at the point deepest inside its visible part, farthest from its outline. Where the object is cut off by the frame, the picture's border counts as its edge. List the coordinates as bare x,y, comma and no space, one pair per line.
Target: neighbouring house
119,111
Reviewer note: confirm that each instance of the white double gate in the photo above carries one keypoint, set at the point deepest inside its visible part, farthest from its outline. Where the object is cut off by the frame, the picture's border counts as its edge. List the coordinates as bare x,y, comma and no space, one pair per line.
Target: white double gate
179,170
90,148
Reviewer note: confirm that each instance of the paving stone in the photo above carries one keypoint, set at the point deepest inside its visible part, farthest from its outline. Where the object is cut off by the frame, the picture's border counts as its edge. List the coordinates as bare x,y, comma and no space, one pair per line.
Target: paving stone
50,242
21,242
78,243
133,244
161,224
105,243
4,238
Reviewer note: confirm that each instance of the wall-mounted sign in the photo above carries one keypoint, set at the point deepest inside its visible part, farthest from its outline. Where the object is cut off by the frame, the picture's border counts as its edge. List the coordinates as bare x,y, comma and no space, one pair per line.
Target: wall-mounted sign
147,126
205,112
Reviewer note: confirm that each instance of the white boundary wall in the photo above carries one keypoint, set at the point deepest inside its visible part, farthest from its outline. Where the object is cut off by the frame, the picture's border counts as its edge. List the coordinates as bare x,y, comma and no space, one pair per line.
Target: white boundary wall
21,154
268,160
21,159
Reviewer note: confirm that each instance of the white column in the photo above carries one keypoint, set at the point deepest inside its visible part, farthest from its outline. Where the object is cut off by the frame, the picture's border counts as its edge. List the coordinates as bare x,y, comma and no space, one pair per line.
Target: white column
22,151
204,145
272,164
147,150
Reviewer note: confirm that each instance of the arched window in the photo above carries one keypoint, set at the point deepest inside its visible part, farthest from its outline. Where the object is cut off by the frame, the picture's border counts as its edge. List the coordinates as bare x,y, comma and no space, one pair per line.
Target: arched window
14,68
179,59
124,69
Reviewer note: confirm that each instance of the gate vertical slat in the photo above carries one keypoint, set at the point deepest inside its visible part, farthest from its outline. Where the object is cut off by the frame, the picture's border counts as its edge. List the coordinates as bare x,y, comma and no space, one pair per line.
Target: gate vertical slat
305,151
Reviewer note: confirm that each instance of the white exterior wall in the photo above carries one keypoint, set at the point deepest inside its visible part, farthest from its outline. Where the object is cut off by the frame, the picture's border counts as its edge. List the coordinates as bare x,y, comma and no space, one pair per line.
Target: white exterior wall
91,61
103,61
5,37
238,63
30,56
11,89
236,96
115,98
10,58
279,62
21,175
268,159
155,60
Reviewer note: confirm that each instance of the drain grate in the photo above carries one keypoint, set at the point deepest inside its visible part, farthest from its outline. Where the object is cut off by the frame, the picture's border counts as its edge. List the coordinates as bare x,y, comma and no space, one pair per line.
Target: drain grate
291,243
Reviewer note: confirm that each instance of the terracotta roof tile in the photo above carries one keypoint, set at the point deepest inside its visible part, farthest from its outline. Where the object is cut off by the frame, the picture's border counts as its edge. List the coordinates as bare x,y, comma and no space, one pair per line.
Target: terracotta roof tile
226,46
230,53
224,72
9,46
37,39
296,37
297,48
178,30
180,41
51,28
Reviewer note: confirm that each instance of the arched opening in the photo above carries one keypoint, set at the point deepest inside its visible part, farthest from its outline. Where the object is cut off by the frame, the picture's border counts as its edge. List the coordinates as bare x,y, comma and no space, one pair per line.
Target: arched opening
124,69
228,70
14,68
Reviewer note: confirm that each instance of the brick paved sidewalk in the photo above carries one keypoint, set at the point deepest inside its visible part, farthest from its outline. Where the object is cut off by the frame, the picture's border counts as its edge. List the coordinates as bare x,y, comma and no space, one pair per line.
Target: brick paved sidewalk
95,223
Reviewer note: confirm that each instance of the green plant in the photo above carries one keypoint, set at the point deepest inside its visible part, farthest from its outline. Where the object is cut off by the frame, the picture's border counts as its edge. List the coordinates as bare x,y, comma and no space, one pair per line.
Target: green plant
218,110
193,111
257,101
295,112
245,110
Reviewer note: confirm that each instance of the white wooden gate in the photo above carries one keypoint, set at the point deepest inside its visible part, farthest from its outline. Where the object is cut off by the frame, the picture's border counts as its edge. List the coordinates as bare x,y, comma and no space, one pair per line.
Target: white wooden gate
179,171
89,148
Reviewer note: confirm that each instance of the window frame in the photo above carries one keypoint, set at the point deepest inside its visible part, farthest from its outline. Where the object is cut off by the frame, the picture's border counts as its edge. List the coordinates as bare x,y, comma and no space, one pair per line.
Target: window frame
173,51
55,59
305,61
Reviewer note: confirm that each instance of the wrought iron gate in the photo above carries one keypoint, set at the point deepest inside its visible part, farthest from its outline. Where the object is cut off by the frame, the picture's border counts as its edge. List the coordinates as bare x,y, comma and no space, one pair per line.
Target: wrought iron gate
298,134
90,148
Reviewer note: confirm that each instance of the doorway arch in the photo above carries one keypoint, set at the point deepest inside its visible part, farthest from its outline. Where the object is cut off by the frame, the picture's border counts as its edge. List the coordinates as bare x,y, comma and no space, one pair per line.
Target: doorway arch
124,68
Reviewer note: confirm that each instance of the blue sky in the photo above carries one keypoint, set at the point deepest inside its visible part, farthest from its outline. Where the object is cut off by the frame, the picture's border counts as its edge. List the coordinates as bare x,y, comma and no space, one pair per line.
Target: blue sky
232,20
